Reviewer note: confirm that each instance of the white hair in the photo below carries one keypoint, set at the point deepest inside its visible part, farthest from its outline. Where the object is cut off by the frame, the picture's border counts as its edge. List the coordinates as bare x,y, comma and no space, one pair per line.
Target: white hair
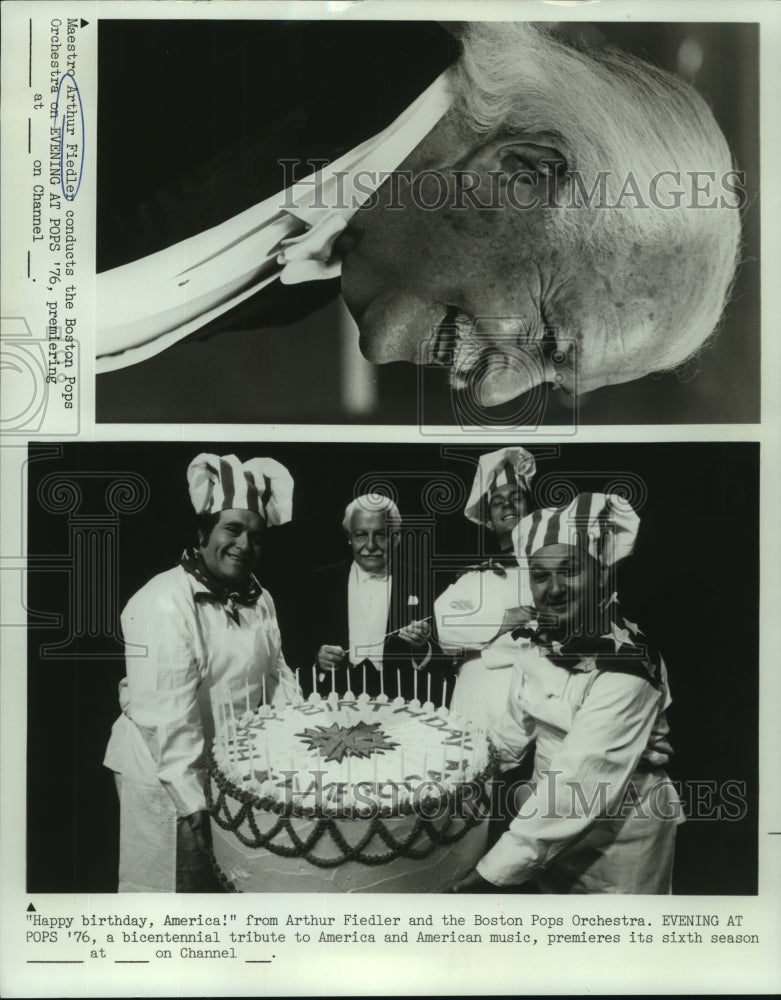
372,503
615,113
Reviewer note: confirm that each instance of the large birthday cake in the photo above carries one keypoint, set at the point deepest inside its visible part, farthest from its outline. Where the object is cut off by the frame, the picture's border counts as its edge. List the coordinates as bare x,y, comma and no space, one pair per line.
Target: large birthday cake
347,794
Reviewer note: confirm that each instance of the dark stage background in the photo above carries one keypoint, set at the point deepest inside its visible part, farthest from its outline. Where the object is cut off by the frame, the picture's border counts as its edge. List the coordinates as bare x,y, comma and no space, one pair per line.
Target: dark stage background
692,585
180,104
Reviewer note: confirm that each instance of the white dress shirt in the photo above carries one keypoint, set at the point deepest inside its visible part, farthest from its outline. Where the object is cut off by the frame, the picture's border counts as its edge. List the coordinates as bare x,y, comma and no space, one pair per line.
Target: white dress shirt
145,306
368,603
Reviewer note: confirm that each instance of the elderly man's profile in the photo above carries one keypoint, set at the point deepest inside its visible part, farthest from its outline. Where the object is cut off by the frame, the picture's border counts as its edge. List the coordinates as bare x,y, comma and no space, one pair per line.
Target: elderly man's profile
535,208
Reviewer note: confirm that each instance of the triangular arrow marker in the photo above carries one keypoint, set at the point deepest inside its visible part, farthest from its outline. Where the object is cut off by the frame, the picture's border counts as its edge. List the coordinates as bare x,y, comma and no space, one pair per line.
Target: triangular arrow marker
83,23
31,909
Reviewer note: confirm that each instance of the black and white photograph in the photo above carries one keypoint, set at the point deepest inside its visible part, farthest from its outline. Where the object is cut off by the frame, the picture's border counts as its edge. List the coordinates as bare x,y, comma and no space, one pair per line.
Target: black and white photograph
389,453
497,211
295,668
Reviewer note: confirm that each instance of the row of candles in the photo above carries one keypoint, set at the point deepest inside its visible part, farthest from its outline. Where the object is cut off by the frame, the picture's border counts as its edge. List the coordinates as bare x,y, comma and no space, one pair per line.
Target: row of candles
228,739
221,705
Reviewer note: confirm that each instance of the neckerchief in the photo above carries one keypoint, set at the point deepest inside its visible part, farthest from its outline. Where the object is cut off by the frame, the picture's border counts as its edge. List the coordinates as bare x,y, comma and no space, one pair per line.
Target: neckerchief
245,595
620,645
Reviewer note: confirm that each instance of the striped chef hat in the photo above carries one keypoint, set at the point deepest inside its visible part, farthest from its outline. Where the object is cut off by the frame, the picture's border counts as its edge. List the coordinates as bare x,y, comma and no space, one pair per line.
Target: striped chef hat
224,483
498,468
605,524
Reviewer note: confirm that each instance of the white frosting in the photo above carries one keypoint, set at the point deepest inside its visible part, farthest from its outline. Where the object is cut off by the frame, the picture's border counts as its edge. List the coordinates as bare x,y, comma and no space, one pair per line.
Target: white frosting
413,754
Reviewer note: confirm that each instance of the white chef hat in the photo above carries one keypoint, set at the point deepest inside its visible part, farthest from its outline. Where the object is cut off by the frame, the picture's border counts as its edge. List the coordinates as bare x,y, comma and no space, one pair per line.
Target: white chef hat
495,469
605,524
224,483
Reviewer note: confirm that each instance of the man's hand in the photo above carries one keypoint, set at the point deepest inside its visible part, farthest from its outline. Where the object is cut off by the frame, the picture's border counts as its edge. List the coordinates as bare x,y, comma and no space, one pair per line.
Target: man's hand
329,657
417,634
513,617
201,830
474,882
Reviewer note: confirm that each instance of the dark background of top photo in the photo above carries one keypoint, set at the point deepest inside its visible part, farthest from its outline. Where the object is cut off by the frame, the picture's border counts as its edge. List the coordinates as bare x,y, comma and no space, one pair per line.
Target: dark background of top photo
177,98
692,585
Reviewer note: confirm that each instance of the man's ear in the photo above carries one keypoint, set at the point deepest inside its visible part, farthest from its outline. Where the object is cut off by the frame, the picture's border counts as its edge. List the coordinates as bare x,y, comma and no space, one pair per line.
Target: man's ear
524,157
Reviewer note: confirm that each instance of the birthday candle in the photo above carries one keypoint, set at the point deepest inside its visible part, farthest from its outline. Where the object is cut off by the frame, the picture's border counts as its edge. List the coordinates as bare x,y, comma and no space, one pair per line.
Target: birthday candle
228,733
333,682
428,687
263,684
382,680
444,693
235,729
223,727
398,682
314,677
364,676
246,691
298,686
415,684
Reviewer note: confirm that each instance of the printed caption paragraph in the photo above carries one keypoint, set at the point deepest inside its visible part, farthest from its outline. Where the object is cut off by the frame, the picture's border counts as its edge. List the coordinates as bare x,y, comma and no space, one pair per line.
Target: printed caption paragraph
44,335
125,938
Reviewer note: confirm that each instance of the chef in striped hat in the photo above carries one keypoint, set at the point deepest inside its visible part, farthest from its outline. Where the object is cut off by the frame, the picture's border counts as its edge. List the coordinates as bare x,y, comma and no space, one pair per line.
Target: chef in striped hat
590,696
478,610
201,633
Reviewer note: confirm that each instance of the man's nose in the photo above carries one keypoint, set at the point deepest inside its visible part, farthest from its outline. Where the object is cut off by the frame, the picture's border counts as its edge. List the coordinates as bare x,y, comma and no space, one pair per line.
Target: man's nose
242,542
557,586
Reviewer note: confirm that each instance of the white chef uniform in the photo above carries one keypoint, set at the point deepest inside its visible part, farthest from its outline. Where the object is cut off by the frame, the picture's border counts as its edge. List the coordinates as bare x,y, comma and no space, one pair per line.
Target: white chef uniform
184,640
602,813
471,611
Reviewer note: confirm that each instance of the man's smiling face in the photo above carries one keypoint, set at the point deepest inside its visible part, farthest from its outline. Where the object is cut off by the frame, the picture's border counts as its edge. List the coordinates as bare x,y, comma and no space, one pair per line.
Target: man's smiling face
232,550
506,507
497,295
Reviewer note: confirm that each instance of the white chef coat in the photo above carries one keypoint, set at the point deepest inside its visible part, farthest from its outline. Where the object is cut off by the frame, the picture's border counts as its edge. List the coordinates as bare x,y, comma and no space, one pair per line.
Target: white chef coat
147,305
591,726
468,615
180,650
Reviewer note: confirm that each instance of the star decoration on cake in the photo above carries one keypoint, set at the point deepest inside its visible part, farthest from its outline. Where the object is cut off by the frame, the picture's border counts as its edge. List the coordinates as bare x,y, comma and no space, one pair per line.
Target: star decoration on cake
336,742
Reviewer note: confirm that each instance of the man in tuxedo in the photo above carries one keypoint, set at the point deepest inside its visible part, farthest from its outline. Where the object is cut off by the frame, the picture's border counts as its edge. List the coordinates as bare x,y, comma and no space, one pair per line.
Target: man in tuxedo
530,214
368,618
